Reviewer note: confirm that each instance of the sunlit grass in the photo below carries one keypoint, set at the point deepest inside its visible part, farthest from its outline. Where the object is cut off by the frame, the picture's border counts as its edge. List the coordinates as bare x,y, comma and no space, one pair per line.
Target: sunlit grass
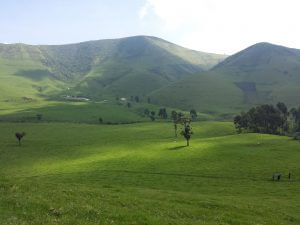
141,174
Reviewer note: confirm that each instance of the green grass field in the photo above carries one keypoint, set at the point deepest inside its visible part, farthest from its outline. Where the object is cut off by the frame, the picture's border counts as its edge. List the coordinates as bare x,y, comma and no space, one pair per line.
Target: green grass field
139,174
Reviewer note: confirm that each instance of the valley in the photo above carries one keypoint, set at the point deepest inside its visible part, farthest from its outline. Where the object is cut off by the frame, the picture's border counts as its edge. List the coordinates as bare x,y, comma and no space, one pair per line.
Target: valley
96,148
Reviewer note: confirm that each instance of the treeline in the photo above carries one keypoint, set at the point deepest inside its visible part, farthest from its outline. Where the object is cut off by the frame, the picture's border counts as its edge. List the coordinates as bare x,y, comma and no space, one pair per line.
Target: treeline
269,119
163,114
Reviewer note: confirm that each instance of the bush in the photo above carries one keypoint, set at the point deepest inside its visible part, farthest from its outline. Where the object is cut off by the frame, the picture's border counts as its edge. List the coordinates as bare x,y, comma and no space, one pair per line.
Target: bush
296,136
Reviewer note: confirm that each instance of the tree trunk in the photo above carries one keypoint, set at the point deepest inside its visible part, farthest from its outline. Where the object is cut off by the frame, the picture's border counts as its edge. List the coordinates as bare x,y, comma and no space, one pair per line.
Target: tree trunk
187,142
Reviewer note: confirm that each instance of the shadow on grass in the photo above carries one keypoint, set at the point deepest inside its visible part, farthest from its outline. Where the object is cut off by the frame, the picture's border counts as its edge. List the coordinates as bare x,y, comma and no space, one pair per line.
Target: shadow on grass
112,114
177,147
36,75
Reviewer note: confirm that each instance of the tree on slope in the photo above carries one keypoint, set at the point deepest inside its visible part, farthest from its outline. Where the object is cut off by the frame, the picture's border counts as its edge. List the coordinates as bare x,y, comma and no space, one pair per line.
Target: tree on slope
162,113
20,136
174,116
152,115
146,112
186,130
193,114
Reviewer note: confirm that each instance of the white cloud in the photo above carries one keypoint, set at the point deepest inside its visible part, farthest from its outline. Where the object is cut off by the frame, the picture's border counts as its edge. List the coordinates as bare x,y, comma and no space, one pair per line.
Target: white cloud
226,26
143,12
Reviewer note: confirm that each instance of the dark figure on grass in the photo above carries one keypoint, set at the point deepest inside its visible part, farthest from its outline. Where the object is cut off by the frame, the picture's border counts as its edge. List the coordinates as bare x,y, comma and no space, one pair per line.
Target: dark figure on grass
20,136
276,176
186,130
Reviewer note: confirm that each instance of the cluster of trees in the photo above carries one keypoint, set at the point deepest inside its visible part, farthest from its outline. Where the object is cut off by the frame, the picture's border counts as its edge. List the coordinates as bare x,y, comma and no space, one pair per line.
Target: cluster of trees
295,119
162,113
137,99
150,114
269,119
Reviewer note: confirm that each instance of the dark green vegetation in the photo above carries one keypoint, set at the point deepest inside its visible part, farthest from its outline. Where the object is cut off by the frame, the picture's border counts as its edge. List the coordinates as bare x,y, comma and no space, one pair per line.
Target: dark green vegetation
263,73
139,174
269,119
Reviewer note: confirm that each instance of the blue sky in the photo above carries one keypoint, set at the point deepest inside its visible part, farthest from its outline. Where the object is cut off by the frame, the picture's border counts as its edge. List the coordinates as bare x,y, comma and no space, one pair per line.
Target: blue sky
67,21
208,25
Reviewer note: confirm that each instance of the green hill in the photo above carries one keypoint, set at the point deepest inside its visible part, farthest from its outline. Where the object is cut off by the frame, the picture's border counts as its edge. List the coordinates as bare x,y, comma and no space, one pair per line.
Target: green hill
147,66
119,67
265,73
100,70
262,73
204,92
139,174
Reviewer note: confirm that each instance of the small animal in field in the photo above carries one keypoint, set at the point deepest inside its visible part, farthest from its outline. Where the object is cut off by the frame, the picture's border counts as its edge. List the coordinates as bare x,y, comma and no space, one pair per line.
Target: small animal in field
276,176
20,136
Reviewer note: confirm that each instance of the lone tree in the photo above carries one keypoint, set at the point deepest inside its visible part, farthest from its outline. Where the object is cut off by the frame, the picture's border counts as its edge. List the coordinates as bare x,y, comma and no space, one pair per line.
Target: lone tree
100,120
128,104
174,116
19,136
147,112
186,130
39,117
152,115
193,114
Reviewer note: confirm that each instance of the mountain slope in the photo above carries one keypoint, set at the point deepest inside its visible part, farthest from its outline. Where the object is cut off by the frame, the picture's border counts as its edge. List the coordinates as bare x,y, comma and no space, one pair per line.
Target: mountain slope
266,73
262,73
204,92
97,69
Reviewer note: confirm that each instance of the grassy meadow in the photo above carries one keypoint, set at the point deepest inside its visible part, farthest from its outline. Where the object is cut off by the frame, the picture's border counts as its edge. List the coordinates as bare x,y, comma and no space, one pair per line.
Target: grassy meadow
66,173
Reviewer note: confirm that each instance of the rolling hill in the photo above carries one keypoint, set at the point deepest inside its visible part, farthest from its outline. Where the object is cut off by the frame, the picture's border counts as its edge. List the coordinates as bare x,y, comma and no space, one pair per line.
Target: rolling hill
262,73
140,174
119,67
148,66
